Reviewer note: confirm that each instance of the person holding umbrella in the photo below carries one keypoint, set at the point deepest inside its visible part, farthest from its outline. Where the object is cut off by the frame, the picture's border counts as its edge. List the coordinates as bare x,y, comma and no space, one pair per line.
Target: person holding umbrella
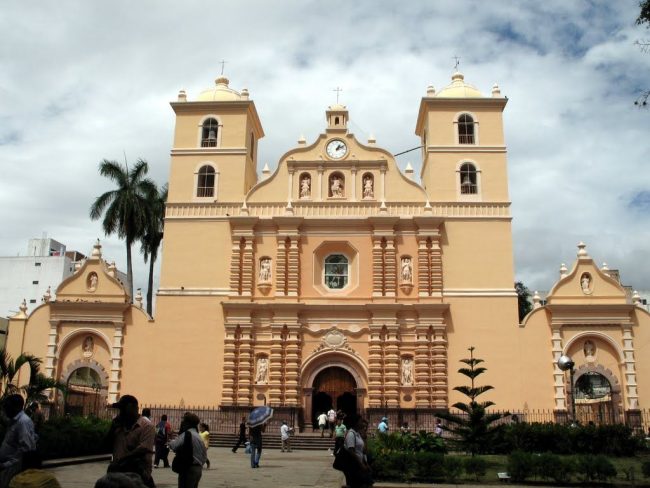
257,423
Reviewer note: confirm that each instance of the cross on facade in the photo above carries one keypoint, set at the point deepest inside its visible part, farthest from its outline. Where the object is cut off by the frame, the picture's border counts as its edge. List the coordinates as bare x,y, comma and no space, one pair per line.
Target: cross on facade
338,90
223,64
457,62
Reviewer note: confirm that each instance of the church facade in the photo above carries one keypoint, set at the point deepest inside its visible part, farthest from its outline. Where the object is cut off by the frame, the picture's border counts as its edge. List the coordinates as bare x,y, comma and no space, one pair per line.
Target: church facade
338,280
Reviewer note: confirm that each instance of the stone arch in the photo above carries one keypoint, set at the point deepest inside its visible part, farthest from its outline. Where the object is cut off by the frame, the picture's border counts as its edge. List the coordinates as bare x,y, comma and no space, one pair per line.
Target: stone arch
81,331
93,365
616,401
597,335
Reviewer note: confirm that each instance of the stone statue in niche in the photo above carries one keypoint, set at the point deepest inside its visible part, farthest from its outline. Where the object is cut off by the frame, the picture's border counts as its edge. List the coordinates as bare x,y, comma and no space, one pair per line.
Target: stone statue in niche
88,346
305,187
265,270
585,283
92,282
262,375
589,349
336,187
407,372
368,187
407,270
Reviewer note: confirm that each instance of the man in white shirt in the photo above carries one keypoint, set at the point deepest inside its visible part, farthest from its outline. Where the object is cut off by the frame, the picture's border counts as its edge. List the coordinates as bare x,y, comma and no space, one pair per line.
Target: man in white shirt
331,421
19,439
322,423
285,436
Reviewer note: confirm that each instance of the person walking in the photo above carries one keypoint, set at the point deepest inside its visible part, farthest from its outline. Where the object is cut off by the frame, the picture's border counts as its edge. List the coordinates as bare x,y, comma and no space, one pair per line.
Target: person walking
285,436
204,432
20,439
339,434
256,444
331,421
188,438
132,437
161,442
359,474
242,435
322,423
382,427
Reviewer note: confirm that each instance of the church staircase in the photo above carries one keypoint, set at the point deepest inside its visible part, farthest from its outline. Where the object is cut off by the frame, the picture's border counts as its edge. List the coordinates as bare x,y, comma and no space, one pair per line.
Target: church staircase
299,442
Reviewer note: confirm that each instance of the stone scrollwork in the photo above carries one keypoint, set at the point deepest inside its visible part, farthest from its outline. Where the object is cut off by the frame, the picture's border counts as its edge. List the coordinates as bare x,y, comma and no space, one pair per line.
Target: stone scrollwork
334,339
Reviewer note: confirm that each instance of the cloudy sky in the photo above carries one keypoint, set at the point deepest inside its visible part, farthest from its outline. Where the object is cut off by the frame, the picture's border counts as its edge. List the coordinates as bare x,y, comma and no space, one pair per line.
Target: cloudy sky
85,80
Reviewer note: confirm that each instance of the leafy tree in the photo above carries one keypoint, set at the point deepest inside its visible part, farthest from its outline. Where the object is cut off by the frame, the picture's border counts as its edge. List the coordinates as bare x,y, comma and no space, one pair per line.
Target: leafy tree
127,210
475,429
38,383
643,18
150,241
523,302
644,15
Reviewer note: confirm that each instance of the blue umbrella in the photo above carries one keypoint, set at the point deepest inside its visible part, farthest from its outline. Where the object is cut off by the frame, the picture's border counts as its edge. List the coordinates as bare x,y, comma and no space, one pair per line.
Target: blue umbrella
259,416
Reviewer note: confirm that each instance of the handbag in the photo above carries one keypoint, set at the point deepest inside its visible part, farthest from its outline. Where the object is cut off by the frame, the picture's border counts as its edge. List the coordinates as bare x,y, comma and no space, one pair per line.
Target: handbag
344,460
184,456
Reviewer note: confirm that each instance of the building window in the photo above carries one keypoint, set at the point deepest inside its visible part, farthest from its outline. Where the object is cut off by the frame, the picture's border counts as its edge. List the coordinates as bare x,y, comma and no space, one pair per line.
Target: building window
37,264
252,148
33,300
468,180
205,183
336,271
35,282
465,129
209,133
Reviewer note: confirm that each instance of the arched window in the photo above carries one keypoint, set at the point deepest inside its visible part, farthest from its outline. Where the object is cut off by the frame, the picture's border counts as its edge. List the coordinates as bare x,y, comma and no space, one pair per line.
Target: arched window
336,271
465,129
205,182
593,386
468,180
209,133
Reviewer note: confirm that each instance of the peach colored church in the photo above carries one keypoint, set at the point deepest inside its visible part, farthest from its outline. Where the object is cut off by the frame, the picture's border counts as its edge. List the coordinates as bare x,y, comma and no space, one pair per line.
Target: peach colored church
339,280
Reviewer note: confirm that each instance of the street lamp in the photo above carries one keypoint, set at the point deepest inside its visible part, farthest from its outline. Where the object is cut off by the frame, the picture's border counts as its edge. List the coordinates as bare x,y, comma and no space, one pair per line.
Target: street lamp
566,363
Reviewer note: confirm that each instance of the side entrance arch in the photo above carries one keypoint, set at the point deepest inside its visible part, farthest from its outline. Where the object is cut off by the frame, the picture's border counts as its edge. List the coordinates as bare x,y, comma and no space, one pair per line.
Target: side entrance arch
334,387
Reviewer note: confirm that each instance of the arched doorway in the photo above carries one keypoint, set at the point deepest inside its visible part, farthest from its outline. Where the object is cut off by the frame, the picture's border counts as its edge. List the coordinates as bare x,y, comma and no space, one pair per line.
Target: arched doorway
594,399
85,392
334,387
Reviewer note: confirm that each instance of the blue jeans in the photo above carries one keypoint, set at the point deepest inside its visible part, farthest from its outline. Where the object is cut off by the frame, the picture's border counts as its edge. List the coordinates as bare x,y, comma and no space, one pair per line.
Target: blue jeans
256,453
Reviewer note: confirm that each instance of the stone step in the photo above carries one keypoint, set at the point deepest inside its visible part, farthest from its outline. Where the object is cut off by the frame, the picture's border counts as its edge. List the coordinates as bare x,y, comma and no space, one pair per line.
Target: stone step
307,442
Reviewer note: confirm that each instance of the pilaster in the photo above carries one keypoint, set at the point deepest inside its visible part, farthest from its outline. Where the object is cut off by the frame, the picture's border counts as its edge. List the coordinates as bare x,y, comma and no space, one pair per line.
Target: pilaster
276,365
422,367
377,267
230,366
281,267
248,267
245,365
390,268
116,361
293,258
558,374
392,367
631,393
424,267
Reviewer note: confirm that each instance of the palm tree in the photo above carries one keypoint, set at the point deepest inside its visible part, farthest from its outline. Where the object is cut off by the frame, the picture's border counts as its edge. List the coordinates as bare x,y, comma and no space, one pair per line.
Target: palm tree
127,210
150,241
38,382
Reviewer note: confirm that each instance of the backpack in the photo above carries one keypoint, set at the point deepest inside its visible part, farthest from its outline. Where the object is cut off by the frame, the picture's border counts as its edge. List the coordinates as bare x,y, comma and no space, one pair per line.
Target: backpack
161,432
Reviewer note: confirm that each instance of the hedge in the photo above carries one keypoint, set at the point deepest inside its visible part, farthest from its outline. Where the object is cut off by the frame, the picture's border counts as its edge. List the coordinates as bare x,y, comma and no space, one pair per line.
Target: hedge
62,437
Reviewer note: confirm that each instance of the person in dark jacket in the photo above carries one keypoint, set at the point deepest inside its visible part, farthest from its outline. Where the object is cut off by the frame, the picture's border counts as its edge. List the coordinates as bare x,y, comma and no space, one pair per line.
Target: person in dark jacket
242,435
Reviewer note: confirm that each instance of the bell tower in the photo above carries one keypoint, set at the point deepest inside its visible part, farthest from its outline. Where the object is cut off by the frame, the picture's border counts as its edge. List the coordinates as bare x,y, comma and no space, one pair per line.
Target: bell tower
463,148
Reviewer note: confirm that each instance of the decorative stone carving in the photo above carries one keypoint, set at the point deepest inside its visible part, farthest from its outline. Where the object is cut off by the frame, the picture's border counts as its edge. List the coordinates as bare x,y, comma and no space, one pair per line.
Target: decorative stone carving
305,186
265,270
406,273
585,283
91,284
334,339
368,187
262,374
336,186
88,347
407,372
138,298
589,349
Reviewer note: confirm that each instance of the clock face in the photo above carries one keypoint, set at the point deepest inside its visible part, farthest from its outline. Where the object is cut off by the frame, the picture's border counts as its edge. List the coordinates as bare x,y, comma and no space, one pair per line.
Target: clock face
336,149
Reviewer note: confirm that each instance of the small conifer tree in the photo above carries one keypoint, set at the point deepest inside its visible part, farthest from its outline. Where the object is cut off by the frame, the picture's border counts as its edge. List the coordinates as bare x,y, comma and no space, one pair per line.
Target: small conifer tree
475,428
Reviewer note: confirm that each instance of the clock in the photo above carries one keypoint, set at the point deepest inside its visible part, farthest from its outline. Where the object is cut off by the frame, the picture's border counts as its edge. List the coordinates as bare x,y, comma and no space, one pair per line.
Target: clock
336,149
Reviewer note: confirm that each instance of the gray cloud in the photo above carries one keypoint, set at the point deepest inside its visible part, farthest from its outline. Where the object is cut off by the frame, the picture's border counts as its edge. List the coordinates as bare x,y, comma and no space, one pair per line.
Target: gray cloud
83,81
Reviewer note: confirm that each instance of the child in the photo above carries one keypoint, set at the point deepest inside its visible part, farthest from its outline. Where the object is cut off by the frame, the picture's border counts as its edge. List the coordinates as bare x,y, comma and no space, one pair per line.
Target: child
204,432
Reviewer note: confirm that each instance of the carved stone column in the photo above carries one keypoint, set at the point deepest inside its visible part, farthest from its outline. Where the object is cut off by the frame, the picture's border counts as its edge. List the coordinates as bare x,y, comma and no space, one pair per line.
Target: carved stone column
235,266
392,367
390,268
53,338
248,268
435,266
293,255
292,366
377,267
423,378
424,267
631,392
116,361
558,374
281,267
276,365
439,366
245,370
229,365
375,368
353,193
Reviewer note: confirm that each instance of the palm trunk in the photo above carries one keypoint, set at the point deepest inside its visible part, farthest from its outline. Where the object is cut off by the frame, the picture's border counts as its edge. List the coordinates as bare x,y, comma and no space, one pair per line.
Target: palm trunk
129,270
150,284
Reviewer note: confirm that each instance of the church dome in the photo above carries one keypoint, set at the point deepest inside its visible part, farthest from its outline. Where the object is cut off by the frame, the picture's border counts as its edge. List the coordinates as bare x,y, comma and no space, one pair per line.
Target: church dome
220,92
459,89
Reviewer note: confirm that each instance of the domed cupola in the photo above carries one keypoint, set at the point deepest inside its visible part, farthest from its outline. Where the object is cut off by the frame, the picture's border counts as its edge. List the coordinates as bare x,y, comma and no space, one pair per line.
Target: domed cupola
459,89
220,92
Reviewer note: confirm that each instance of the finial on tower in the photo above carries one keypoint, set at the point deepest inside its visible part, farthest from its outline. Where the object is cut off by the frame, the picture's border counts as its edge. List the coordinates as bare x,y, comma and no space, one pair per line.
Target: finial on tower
457,63
223,65
338,91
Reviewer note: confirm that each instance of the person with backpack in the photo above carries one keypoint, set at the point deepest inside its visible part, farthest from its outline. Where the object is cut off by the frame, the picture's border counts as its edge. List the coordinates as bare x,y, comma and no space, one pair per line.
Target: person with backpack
163,434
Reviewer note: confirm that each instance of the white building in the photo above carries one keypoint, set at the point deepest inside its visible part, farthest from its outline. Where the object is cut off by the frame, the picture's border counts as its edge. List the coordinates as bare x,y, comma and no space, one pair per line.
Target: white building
28,277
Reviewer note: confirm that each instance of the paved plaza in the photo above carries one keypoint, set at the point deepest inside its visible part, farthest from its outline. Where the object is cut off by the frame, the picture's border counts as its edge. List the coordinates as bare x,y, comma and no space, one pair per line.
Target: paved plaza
277,469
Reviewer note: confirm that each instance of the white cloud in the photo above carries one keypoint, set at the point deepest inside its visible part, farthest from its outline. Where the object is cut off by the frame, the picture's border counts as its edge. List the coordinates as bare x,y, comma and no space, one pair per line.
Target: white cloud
83,81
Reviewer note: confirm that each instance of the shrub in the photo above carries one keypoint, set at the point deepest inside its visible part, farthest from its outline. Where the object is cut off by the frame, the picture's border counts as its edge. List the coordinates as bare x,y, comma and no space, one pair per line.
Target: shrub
521,465
555,467
398,442
429,466
394,465
475,466
645,469
595,468
62,437
453,468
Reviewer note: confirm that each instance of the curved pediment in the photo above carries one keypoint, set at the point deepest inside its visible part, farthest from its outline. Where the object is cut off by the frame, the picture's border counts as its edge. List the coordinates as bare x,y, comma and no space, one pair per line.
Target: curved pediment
586,282
356,173
93,282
